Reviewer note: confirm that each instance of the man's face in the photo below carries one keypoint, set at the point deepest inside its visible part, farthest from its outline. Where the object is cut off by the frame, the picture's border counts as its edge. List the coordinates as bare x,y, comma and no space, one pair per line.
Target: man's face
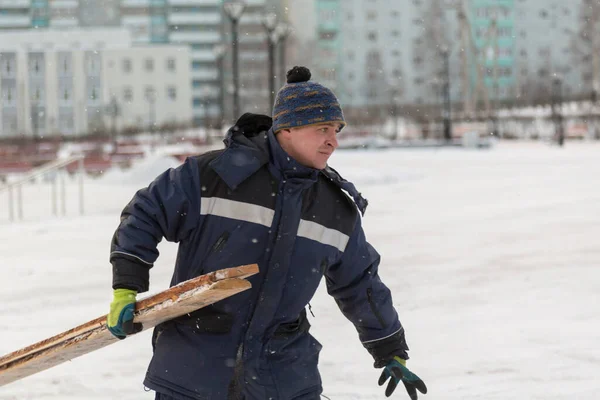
310,145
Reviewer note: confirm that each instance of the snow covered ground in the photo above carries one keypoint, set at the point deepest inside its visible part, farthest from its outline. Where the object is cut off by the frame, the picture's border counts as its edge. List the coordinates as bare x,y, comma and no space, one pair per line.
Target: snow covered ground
492,256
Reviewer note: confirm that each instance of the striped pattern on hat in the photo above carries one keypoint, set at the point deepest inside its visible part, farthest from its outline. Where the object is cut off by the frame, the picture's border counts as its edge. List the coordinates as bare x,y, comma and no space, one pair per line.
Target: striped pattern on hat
300,103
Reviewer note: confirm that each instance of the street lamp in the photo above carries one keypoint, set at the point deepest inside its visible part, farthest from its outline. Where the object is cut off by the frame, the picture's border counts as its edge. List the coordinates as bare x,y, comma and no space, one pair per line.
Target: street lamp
394,95
151,98
283,30
270,23
219,52
446,93
206,104
113,109
557,99
234,11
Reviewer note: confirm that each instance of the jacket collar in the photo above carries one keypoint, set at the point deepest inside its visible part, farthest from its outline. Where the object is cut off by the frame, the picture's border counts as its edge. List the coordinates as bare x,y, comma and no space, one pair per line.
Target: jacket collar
285,167
348,187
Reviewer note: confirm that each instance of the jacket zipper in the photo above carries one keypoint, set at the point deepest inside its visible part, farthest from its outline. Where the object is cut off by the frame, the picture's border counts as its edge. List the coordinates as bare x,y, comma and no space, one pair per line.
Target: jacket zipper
219,244
374,308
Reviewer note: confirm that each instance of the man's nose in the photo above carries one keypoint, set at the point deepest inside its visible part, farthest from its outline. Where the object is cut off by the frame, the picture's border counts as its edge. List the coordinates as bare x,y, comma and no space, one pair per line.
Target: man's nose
332,141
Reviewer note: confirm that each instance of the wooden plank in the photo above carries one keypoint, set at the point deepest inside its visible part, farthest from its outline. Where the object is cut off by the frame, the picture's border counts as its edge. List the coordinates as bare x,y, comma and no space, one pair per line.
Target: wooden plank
178,300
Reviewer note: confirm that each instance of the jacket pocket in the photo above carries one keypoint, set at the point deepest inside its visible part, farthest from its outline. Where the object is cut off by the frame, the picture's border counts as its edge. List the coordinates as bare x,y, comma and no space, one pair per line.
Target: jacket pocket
291,328
208,319
219,243
212,251
374,308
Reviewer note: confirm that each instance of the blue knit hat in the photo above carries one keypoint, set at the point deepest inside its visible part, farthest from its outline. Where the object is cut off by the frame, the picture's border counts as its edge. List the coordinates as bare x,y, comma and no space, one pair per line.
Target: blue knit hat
301,103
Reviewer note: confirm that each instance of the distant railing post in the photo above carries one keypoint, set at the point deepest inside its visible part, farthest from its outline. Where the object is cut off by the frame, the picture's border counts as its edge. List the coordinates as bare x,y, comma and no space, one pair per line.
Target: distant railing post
55,195
63,193
11,211
19,202
81,172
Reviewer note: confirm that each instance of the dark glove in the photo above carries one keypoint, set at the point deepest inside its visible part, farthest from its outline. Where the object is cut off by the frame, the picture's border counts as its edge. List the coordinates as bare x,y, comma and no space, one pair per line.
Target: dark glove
120,318
397,371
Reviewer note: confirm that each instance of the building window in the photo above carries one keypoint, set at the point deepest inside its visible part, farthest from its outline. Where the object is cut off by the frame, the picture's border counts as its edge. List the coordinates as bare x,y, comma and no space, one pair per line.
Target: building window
172,93
327,35
64,64
171,64
504,31
150,94
327,15
372,36
66,121
93,63
8,96
65,92
395,33
8,66
93,93
35,65
371,15
127,65
128,94
149,64
350,56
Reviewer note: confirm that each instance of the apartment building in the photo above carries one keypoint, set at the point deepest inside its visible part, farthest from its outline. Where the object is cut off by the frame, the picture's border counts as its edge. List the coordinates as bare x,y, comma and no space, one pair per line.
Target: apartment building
88,80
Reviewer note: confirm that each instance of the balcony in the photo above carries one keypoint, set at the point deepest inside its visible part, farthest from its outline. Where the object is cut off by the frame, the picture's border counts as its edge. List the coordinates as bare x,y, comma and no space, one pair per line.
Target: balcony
205,74
14,4
135,3
203,55
206,91
15,21
175,3
63,22
194,19
195,37
63,4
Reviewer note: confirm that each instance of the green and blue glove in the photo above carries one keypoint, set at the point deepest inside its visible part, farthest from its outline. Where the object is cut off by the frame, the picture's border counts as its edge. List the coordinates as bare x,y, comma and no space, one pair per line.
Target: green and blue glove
120,318
397,371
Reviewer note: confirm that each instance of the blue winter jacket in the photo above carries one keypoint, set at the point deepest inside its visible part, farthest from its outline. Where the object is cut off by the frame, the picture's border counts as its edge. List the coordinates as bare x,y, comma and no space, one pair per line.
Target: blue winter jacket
252,203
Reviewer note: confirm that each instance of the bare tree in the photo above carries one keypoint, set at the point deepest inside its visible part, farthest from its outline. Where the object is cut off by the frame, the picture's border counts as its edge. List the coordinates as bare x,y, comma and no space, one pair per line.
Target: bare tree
376,84
429,46
585,44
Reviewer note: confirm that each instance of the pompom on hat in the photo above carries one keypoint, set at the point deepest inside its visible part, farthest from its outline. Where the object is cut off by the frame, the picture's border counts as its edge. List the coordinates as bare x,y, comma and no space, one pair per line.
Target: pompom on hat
301,103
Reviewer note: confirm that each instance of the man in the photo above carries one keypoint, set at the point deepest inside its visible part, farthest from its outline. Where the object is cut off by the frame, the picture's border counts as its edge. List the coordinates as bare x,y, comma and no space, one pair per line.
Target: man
267,198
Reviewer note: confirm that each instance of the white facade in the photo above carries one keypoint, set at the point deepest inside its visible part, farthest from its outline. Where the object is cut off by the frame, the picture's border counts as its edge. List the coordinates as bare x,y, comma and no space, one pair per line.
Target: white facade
58,82
151,84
